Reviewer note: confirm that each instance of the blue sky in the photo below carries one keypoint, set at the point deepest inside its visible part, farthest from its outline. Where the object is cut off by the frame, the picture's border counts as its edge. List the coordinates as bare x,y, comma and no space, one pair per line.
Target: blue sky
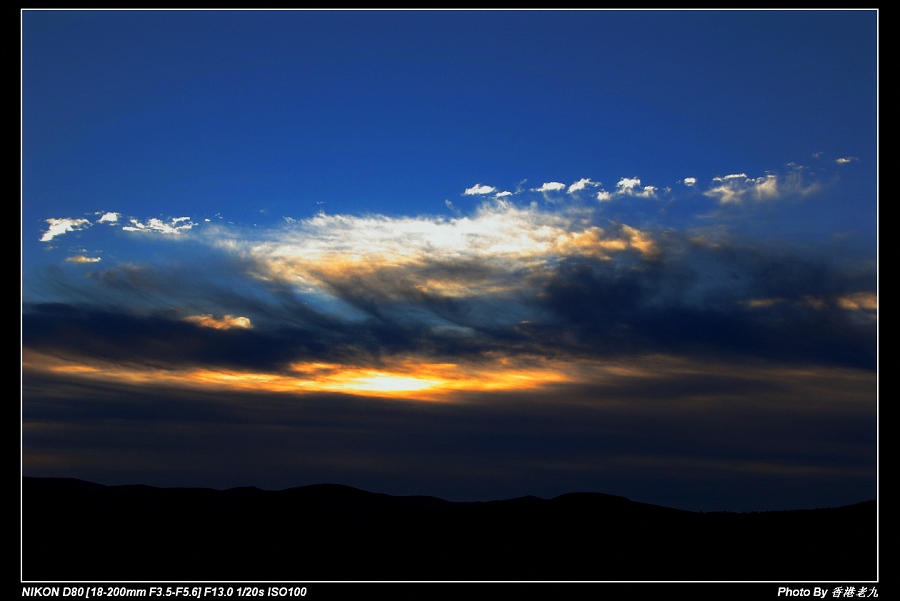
458,227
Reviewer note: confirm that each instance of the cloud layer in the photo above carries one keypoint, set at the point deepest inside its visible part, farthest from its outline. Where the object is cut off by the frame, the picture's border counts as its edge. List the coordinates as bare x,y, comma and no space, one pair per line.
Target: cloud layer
510,278
525,307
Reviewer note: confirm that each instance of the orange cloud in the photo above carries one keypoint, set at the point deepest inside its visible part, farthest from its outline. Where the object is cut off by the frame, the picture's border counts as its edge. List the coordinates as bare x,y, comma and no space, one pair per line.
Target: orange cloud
225,322
866,301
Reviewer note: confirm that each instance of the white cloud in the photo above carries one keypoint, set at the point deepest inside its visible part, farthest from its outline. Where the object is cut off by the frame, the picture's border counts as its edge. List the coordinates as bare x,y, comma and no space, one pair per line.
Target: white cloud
603,196
628,183
479,189
582,184
505,240
451,206
733,176
175,226
736,187
690,181
631,186
503,194
109,217
58,227
724,194
550,187
765,187
844,160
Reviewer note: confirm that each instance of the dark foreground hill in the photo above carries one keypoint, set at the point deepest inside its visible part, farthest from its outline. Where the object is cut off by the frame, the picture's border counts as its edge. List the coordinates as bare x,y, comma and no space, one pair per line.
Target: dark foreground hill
79,531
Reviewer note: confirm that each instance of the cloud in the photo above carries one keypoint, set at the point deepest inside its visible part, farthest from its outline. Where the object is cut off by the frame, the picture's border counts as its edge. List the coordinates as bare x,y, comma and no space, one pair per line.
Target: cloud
110,217
630,186
173,226
503,238
737,188
734,189
58,227
845,160
603,196
726,194
550,187
855,301
226,322
581,185
83,259
628,183
689,181
479,189
503,194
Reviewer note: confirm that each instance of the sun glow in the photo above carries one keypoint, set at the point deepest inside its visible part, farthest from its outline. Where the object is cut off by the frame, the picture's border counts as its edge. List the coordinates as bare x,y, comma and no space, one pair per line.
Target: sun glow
417,380
404,378
382,382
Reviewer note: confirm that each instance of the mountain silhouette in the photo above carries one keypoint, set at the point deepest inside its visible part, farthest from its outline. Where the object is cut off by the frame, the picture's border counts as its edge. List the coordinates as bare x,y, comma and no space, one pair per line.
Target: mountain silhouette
74,530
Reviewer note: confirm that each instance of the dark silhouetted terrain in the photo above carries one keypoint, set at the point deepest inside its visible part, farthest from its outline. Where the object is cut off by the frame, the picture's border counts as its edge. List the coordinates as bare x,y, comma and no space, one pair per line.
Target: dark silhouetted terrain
75,530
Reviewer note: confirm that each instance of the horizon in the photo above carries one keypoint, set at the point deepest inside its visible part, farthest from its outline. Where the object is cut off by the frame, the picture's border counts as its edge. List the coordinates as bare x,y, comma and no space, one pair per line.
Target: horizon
475,255
377,493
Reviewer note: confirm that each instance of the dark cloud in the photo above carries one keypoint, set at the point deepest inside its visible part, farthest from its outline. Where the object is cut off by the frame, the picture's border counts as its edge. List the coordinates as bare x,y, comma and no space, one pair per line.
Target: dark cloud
156,340
726,300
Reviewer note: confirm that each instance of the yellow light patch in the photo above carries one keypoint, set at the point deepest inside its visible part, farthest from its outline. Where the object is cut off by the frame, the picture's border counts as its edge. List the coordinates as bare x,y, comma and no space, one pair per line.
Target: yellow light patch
382,382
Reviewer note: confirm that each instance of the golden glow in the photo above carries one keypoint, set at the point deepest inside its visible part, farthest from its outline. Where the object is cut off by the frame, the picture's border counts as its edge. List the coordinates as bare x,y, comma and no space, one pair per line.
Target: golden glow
858,301
432,381
400,378
82,259
640,240
223,323
418,380
867,301
76,369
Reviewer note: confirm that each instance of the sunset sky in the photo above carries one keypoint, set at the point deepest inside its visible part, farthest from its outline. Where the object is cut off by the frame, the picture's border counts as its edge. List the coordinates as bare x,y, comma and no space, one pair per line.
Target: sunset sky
468,254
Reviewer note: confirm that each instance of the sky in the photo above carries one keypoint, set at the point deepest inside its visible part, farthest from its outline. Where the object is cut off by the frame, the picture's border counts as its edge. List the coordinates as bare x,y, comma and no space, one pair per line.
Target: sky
470,254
